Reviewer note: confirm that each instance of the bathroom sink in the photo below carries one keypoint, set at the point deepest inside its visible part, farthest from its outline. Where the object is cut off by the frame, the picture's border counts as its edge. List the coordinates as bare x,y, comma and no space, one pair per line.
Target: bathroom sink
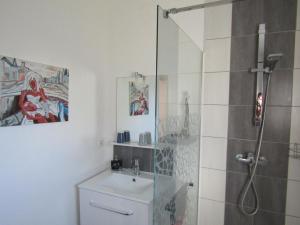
123,185
126,183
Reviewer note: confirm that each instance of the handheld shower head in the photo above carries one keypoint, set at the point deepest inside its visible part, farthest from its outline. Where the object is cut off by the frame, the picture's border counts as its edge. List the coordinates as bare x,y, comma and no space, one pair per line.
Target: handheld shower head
271,61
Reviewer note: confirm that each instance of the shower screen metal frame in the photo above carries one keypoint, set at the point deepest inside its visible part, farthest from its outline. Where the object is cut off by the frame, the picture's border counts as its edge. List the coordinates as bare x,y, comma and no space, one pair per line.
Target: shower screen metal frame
198,6
177,137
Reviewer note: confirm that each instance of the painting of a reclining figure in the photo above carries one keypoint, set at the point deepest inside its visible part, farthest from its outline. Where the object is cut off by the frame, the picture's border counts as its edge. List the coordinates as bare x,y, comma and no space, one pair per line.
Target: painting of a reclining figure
32,93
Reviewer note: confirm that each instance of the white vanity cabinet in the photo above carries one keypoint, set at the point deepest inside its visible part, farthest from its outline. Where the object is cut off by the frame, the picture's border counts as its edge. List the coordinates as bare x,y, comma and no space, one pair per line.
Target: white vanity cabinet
104,206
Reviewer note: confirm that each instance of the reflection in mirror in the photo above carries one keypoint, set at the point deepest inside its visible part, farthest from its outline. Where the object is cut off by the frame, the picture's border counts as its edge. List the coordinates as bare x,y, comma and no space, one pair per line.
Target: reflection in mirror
136,107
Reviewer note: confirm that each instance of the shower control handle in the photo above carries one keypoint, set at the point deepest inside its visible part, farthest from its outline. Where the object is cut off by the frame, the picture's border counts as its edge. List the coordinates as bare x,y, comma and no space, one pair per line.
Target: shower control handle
249,158
243,159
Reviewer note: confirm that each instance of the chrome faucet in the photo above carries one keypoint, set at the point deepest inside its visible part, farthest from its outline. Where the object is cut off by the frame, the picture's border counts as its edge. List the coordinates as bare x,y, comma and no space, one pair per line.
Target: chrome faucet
136,167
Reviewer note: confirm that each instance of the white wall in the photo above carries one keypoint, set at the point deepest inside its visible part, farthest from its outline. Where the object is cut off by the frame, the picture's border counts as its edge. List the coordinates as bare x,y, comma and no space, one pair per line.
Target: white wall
132,49
41,164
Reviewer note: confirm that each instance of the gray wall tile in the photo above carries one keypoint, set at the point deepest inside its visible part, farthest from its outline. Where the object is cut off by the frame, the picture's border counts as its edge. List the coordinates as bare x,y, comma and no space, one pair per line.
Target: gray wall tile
246,16
277,155
279,15
243,88
127,154
146,158
272,193
277,124
240,123
281,88
235,183
233,216
268,218
243,53
283,42
244,50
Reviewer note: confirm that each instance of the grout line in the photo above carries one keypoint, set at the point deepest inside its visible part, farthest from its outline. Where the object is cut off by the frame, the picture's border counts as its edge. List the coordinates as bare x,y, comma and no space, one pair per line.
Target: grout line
258,175
209,199
216,71
210,104
214,137
179,104
217,38
210,168
293,180
267,33
219,73
298,217
262,210
264,141
277,106
278,69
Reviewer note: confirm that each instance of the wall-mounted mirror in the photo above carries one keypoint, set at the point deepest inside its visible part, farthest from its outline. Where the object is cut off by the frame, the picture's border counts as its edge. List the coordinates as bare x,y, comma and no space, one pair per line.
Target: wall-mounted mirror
136,105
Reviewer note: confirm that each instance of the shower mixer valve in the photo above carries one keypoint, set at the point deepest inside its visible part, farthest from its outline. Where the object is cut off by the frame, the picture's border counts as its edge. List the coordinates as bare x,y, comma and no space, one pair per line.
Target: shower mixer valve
249,159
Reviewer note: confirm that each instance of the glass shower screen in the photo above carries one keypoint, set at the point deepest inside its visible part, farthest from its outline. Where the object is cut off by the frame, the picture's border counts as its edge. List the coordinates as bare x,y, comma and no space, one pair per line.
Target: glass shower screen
177,150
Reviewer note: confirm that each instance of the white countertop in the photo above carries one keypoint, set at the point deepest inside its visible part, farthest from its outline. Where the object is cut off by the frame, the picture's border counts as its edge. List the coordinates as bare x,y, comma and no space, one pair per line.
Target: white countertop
94,184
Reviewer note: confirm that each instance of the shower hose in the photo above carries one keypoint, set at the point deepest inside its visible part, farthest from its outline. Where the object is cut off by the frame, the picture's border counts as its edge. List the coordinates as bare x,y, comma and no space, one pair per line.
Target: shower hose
253,166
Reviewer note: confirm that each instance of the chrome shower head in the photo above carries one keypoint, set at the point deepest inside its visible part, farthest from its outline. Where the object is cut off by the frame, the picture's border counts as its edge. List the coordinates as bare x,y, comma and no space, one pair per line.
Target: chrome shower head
271,61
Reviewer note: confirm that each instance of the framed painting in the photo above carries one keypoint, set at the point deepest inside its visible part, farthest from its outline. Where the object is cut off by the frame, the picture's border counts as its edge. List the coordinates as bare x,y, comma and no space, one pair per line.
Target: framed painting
138,99
32,93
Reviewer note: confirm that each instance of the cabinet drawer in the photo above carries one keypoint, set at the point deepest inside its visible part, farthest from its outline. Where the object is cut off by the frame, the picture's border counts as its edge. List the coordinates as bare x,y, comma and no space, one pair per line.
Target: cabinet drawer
101,209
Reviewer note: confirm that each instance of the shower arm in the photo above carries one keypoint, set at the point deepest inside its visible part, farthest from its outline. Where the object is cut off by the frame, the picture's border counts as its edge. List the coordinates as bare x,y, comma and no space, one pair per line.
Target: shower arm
199,6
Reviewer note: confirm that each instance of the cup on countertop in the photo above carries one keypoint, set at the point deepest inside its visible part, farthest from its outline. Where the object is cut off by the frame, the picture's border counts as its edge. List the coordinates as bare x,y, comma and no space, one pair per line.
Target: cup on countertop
120,137
127,136
145,138
142,140
148,138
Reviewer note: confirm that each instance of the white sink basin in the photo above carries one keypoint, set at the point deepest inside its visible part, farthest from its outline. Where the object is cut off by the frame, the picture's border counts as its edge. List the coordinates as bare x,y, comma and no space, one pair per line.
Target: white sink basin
122,185
126,183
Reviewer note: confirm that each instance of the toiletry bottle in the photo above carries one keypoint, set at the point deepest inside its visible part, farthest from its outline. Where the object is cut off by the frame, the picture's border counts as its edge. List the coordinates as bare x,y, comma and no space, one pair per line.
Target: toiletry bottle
116,164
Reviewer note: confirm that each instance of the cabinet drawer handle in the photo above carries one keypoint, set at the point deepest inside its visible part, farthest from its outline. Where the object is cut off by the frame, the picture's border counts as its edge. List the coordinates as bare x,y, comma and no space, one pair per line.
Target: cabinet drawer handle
110,209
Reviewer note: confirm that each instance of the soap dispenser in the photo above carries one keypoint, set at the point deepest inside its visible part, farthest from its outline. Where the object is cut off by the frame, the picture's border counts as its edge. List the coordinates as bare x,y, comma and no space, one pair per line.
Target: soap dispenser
116,163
